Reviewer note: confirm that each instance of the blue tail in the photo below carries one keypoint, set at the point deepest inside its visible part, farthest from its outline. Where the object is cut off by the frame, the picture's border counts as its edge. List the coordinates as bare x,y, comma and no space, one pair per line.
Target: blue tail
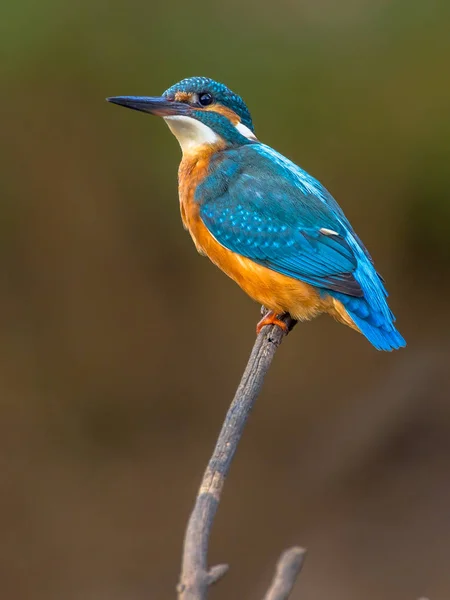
371,313
379,330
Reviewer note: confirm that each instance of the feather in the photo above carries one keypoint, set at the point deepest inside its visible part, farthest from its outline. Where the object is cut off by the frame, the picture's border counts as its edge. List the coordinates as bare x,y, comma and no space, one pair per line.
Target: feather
258,204
253,206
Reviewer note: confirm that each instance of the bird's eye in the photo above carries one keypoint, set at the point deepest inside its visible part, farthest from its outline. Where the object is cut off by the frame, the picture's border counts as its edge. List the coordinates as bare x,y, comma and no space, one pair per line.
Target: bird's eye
205,99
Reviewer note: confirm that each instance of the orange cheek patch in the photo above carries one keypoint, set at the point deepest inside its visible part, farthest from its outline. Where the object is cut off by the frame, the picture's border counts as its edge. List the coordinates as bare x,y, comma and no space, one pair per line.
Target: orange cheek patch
182,97
226,112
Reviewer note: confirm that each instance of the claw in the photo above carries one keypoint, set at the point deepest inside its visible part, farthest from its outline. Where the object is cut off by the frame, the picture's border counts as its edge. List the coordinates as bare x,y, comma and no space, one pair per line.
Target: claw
271,318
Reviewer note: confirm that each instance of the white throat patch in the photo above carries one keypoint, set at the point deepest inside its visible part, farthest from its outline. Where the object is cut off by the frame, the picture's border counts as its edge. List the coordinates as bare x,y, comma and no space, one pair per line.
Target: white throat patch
191,133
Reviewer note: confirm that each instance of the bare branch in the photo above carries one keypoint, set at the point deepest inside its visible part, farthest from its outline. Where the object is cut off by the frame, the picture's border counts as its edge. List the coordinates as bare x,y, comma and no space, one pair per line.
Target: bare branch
288,568
195,576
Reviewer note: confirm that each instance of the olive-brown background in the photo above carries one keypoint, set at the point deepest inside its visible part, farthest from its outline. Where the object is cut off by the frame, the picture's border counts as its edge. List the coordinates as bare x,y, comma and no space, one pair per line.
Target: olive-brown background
121,348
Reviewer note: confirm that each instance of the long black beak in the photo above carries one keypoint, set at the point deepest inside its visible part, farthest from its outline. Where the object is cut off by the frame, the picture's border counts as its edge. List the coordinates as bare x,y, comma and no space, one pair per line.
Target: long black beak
155,106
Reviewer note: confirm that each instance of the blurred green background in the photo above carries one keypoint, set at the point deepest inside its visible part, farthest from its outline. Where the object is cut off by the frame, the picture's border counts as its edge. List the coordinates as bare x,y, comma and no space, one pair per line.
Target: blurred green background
121,348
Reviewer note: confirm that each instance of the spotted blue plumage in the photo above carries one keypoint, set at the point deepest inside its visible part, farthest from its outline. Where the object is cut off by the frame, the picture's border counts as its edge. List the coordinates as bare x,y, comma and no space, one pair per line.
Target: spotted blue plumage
259,204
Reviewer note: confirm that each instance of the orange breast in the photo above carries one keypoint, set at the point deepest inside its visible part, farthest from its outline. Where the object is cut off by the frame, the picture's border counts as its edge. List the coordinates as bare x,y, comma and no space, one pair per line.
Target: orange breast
275,291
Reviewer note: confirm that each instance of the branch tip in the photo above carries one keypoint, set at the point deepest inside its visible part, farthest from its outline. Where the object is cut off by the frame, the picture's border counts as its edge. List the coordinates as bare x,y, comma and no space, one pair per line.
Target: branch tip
288,568
217,572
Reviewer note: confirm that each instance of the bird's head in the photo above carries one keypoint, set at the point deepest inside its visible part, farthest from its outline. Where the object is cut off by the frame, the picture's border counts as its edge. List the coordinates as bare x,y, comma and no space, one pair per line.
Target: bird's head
200,112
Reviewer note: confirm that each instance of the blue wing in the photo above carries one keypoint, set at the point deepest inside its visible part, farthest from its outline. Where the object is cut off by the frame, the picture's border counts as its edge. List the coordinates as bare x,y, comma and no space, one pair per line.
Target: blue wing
261,205
253,205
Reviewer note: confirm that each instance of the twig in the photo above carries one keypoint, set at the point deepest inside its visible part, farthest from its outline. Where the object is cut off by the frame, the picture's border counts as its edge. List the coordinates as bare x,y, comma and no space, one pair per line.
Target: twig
195,577
288,568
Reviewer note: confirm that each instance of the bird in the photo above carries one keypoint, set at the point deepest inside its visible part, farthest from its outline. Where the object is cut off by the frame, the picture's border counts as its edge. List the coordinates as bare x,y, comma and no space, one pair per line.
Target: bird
264,221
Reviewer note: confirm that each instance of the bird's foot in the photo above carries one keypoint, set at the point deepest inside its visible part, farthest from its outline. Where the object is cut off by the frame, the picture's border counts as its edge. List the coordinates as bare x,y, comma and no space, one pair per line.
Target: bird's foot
271,318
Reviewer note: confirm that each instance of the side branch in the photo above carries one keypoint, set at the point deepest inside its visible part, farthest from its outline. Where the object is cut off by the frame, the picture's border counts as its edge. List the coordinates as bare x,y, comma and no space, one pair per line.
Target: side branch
195,577
288,568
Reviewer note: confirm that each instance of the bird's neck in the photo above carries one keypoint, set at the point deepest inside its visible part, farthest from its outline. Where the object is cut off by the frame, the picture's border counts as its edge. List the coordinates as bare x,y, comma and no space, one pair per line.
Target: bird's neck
212,134
195,138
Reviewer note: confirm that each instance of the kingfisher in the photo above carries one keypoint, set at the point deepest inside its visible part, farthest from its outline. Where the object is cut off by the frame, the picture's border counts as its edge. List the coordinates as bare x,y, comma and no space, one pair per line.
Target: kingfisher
264,221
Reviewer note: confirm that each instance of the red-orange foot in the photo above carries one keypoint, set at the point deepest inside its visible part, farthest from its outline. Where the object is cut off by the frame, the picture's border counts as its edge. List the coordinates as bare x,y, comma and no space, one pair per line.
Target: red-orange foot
271,318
